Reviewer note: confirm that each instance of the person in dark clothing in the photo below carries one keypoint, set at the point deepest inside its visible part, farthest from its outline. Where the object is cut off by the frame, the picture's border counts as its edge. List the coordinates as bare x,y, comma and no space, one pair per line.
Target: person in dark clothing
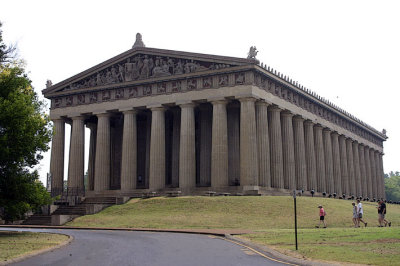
382,213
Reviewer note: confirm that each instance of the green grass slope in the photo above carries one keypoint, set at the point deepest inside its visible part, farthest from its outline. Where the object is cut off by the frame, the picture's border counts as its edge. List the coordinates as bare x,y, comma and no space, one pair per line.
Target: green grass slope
255,213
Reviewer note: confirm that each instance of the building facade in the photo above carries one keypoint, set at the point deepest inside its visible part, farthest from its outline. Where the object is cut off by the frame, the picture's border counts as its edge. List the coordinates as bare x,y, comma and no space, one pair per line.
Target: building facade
163,120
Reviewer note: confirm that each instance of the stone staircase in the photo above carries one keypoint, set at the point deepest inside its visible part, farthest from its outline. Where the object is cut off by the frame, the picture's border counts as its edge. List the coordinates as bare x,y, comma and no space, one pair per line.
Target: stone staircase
71,210
38,219
103,200
66,212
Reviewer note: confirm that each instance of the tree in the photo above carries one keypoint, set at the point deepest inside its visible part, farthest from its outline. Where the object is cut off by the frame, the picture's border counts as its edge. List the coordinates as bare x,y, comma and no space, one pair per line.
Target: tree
24,135
392,188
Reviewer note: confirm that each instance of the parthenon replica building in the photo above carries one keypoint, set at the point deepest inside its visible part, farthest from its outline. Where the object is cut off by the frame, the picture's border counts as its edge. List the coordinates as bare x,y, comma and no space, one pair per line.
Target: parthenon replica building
163,120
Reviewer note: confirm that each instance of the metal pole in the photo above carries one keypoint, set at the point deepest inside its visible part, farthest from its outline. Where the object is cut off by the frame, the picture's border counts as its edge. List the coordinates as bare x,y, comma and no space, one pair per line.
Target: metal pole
295,218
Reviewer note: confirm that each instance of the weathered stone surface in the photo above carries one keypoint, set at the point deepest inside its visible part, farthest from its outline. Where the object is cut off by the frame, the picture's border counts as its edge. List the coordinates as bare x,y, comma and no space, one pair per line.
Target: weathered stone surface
57,157
219,149
275,134
76,156
264,159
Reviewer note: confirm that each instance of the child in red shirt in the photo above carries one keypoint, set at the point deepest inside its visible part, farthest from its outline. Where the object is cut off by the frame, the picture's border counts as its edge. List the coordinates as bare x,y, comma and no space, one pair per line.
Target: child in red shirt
322,214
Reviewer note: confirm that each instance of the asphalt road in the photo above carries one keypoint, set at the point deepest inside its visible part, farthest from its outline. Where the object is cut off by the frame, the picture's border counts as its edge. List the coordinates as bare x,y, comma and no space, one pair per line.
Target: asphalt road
101,247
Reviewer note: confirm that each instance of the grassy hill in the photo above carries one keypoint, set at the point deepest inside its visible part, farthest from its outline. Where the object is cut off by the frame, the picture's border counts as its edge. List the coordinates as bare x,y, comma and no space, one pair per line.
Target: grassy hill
272,221
255,213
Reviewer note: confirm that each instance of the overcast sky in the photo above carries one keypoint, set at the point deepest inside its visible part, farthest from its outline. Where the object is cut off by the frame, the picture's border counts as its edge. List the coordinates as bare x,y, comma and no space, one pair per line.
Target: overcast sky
346,51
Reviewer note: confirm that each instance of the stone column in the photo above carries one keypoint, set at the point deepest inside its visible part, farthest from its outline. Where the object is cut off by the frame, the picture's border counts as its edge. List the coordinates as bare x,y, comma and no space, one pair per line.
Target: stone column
57,157
102,170
205,145
300,153
378,176
368,171
219,145
157,149
343,165
350,166
357,169
92,155
248,143
310,155
76,157
288,151
382,181
330,186
373,173
320,159
176,132
336,164
233,118
264,163
187,152
129,152
364,183
275,134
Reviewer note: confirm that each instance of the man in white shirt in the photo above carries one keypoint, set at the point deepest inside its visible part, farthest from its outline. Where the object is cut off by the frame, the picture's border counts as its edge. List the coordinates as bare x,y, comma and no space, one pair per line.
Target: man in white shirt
360,213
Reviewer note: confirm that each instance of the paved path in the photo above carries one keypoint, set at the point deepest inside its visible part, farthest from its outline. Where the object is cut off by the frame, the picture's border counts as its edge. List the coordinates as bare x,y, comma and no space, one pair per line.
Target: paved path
99,247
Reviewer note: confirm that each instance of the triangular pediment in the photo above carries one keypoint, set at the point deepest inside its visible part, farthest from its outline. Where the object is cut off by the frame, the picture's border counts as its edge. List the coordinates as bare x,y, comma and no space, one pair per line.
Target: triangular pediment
141,64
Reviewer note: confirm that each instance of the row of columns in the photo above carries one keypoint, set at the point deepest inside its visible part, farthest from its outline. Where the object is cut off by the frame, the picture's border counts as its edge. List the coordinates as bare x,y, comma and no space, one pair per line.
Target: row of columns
277,149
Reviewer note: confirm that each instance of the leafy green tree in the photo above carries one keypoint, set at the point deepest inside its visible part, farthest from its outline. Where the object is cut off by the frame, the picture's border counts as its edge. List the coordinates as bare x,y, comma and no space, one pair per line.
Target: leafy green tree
24,135
392,188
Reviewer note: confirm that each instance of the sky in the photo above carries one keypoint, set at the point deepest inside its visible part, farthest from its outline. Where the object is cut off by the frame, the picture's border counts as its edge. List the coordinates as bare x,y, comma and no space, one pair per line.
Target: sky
346,51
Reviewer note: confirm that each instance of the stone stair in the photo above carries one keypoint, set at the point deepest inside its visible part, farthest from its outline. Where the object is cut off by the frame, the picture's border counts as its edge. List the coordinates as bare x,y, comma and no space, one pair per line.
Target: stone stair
65,212
38,219
101,200
71,210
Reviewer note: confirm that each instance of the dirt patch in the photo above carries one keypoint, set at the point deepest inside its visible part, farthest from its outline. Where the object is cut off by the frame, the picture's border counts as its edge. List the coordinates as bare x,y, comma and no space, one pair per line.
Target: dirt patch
387,240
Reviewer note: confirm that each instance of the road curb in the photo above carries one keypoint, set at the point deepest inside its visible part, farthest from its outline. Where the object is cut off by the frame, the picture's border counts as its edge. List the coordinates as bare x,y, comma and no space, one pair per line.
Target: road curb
38,252
282,258
201,232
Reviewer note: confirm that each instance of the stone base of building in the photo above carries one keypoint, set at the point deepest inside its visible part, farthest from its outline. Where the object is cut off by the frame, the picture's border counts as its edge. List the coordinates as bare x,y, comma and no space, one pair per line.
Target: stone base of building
123,195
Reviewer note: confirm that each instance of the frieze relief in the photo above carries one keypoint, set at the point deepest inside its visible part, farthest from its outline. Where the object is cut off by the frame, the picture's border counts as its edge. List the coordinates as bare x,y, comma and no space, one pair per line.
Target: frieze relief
141,67
294,97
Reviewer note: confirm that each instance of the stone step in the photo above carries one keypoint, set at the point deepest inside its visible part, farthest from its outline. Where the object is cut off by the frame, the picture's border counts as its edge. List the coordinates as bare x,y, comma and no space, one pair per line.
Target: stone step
37,219
100,200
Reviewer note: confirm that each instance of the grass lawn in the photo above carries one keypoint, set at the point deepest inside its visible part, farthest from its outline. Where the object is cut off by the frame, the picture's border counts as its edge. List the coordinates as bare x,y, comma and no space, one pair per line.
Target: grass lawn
376,246
271,218
255,213
15,244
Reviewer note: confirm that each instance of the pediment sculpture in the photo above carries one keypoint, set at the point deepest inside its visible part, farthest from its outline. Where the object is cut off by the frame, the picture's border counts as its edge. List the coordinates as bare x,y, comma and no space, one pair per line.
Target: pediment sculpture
144,66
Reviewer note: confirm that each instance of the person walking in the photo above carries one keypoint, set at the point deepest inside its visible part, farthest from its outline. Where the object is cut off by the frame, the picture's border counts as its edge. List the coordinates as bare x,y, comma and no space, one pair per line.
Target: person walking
360,213
382,213
322,215
355,217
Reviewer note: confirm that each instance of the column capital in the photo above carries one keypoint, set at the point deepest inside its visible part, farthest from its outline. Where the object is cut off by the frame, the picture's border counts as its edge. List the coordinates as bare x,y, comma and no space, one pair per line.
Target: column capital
274,108
157,108
262,103
298,118
219,101
186,104
103,114
308,122
246,99
78,118
327,129
349,140
335,133
318,126
287,113
129,111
